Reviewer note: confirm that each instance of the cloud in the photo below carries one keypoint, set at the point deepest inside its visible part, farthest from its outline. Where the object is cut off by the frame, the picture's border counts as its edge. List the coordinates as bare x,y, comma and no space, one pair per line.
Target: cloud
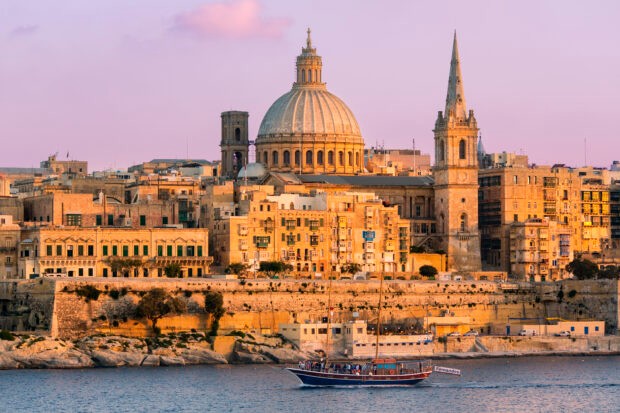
236,19
24,30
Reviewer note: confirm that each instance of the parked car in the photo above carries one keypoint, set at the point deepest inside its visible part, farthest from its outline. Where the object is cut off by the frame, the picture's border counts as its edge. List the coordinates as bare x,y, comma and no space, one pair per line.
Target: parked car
565,333
527,332
472,333
454,334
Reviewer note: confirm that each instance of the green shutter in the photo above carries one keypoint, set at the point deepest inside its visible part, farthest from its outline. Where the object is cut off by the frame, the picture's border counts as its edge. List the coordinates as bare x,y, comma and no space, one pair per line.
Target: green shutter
145,250
136,250
179,251
105,250
200,250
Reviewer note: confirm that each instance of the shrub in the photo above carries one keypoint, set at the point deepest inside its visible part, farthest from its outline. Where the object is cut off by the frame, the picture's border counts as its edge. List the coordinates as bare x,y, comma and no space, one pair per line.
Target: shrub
572,293
114,294
88,292
6,335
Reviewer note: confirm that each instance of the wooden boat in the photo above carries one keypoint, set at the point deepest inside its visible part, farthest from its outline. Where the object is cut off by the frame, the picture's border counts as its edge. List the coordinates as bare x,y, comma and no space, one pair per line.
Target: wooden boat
377,372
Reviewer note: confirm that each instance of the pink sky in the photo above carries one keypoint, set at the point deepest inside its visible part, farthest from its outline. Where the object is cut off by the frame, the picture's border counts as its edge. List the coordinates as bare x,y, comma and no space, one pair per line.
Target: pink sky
117,83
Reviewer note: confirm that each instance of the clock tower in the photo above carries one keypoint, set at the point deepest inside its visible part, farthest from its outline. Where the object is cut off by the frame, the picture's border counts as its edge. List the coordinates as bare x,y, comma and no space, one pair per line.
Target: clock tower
456,176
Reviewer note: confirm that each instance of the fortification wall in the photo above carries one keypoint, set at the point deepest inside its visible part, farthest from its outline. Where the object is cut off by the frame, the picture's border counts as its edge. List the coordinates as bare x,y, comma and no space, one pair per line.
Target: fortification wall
260,305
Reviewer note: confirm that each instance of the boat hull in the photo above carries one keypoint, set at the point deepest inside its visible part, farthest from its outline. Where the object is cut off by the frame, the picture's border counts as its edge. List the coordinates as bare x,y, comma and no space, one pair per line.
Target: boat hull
316,378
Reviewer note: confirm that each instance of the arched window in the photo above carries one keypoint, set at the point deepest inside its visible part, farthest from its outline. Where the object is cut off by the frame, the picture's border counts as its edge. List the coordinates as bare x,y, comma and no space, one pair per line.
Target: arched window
237,134
291,206
357,159
350,158
265,158
319,158
297,158
309,158
330,157
463,222
441,152
286,158
303,75
462,149
274,157
341,158
309,75
237,160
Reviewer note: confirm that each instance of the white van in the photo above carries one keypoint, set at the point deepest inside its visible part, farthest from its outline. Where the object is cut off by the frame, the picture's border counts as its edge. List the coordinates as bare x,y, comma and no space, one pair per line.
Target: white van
527,332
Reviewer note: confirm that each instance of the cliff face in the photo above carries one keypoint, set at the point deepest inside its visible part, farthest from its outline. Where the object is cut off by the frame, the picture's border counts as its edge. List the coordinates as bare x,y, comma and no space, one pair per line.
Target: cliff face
260,305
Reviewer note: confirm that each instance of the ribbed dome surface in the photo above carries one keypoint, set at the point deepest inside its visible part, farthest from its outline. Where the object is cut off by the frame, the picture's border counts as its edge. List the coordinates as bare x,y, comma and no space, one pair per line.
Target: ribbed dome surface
309,110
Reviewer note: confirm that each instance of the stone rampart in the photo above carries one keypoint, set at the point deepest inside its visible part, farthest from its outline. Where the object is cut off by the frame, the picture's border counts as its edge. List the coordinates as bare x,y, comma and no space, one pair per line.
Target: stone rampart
260,305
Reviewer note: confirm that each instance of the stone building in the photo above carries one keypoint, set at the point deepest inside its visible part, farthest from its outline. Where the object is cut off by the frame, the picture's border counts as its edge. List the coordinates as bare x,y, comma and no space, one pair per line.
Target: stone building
576,198
9,239
315,233
112,252
235,144
540,250
59,167
309,130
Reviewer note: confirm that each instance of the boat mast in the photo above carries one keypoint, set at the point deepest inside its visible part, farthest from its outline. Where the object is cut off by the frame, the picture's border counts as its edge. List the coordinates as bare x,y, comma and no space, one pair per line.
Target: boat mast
329,319
379,316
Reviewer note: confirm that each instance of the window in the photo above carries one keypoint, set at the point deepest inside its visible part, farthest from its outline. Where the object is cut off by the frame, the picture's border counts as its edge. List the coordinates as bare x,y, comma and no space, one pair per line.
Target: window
160,250
274,157
142,220
190,250
80,271
237,134
515,179
90,272
265,159
115,250
80,250
441,150
463,222
58,249
330,157
297,158
179,250
319,158
462,149
350,158
48,250
91,250
169,250
341,158
136,250
357,159
110,219
199,254
145,250
74,220
70,251
309,158
164,220
105,272
104,251
286,158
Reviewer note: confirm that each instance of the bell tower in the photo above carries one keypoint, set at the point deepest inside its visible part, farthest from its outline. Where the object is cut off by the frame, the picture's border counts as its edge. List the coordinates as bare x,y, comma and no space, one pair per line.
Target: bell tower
456,175
234,144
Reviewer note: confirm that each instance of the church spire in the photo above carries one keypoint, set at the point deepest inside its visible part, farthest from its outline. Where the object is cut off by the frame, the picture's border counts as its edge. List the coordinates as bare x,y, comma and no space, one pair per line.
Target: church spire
455,100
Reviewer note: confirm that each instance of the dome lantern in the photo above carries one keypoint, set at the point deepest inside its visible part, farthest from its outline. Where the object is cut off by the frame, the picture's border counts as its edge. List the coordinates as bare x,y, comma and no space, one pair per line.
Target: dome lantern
309,66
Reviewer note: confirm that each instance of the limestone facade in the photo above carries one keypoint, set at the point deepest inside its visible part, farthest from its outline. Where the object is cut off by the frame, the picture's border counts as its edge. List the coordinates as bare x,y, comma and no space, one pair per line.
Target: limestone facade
235,143
90,252
315,233
9,239
577,199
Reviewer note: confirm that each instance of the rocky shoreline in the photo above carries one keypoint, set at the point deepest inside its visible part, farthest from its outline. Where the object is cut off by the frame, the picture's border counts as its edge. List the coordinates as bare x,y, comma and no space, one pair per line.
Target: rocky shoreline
41,352
183,349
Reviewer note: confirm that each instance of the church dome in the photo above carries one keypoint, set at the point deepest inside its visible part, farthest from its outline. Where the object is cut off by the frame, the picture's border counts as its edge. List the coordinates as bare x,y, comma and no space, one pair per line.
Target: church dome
309,110
309,130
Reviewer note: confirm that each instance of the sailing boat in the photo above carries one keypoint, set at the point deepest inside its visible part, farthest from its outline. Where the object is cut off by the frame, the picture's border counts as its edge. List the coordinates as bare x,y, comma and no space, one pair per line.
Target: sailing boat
378,371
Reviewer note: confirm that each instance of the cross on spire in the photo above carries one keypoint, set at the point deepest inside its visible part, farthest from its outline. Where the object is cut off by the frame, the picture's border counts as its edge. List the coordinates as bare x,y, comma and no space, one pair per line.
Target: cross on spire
309,40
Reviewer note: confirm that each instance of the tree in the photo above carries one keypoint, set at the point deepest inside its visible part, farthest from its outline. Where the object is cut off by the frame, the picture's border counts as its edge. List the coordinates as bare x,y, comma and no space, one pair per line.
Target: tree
123,265
237,268
428,271
582,269
173,270
273,268
157,303
350,268
214,306
610,272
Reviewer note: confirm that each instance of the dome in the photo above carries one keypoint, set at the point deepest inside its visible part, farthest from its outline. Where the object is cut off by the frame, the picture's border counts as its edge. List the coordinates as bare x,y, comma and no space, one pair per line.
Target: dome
252,171
309,110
